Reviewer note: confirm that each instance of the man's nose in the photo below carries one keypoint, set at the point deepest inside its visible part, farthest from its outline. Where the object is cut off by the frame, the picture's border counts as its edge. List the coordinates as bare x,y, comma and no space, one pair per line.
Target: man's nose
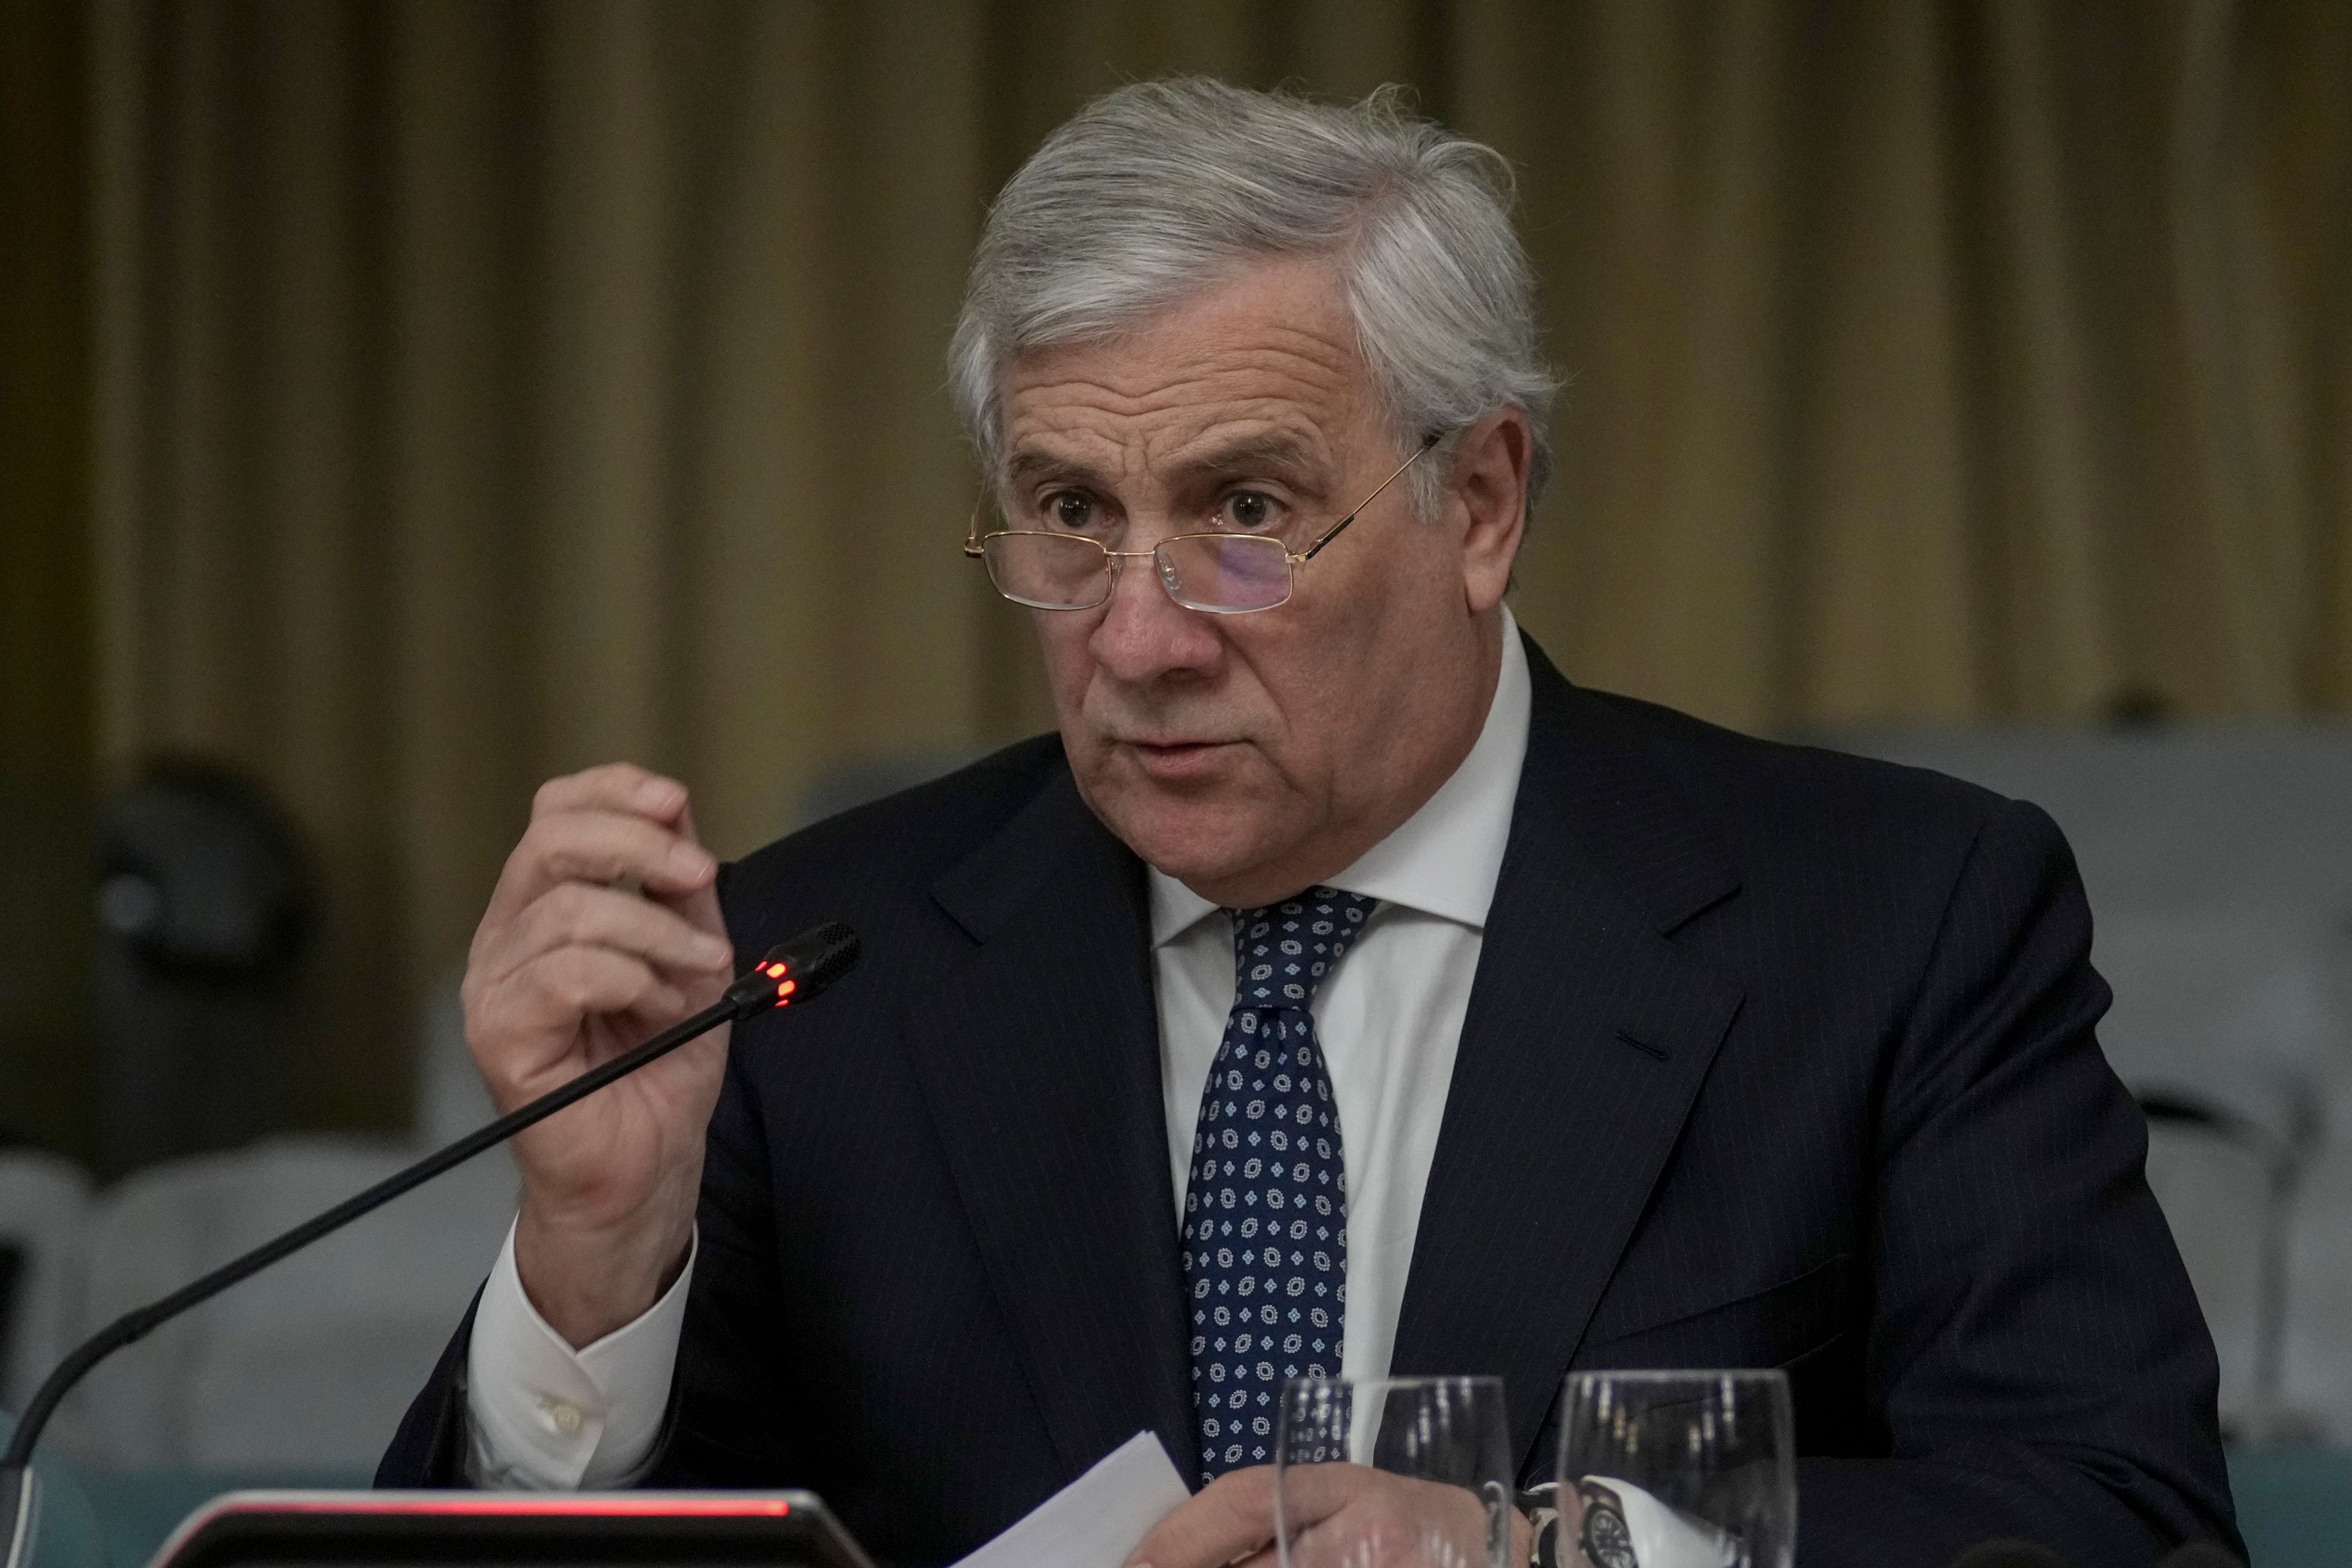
1144,634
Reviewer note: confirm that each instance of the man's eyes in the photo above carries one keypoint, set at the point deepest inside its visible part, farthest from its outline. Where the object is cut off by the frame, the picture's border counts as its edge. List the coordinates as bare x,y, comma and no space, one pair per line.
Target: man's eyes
1239,511
1071,511
1251,511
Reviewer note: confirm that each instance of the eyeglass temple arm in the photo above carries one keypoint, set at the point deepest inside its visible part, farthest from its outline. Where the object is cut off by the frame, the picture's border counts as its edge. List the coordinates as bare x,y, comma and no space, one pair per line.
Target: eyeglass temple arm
1341,527
971,533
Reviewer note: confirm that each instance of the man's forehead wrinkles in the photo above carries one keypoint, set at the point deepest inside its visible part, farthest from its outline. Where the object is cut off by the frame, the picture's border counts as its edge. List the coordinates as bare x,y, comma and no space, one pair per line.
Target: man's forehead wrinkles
1059,401
1261,433
1277,443
1258,374
1083,425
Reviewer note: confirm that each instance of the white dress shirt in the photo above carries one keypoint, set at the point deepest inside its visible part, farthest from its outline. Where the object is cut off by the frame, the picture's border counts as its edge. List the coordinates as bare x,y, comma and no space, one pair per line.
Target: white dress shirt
1389,1019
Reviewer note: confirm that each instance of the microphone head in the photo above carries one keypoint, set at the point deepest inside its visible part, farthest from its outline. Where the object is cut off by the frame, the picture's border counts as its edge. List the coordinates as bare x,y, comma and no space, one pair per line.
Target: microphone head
796,969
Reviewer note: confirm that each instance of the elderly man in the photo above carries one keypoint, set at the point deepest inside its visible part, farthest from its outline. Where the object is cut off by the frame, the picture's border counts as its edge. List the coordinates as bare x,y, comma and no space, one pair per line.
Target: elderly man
1627,1042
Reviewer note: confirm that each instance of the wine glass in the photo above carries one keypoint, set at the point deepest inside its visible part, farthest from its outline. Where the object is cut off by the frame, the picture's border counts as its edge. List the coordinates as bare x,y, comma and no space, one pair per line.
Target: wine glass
1693,1467
1409,1472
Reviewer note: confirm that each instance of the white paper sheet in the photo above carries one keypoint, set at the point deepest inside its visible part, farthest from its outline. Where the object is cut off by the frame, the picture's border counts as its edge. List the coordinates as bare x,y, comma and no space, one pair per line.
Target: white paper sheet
1096,1520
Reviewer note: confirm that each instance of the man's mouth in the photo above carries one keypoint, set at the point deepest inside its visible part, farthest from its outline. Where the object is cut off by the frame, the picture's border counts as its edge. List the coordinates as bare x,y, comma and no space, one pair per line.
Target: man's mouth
1175,758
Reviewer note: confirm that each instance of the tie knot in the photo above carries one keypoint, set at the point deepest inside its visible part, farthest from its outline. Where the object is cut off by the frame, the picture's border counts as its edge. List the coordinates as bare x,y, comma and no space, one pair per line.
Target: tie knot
1282,951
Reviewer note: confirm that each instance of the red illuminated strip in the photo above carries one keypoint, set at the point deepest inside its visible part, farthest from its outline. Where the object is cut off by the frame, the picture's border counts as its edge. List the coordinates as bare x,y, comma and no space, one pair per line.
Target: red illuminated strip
650,1507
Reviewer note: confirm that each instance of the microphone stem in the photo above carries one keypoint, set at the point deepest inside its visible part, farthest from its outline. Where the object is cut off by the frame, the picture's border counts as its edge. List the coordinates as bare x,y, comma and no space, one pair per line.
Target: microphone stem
135,1325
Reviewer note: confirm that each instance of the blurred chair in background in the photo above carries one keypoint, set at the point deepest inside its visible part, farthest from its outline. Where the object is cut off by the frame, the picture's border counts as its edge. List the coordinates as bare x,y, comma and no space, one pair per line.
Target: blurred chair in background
2265,1414
304,1369
2226,1022
297,1377
205,899
302,1372
44,1223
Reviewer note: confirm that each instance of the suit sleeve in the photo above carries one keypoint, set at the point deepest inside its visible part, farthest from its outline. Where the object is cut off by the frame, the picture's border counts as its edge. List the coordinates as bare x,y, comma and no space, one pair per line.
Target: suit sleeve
2036,1355
727,1426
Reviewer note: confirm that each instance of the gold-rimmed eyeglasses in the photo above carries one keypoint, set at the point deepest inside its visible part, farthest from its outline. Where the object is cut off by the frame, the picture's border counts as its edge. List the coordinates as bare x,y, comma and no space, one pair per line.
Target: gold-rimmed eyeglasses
1223,573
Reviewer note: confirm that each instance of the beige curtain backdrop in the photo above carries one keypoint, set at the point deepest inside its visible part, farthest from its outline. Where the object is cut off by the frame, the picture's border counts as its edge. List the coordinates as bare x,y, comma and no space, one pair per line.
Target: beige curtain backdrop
486,389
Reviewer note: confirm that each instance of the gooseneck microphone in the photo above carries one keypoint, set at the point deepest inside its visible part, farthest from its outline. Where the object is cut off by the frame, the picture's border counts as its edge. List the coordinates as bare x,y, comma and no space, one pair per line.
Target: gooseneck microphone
794,972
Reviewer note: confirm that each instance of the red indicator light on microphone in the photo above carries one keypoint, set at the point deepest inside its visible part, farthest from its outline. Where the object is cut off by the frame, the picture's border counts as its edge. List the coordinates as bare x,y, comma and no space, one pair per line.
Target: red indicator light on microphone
794,970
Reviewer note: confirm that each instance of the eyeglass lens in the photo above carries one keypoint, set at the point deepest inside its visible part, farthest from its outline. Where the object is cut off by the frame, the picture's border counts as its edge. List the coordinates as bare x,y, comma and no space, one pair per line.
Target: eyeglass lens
1048,571
1214,571
1200,570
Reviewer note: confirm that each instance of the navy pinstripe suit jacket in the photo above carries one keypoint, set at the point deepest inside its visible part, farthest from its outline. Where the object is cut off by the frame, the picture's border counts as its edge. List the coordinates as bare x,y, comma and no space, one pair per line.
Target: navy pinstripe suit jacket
1775,1058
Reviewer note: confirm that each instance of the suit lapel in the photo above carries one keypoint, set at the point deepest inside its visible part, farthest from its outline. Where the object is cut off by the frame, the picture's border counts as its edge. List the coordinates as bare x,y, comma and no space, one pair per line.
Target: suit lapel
1587,1038
1040,1054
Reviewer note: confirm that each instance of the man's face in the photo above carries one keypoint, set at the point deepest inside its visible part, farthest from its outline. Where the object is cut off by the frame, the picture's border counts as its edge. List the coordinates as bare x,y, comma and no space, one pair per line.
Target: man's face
1251,755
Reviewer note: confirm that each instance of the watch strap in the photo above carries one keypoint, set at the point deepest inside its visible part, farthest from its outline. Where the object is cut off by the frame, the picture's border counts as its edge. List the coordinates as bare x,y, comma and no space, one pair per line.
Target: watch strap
1541,1505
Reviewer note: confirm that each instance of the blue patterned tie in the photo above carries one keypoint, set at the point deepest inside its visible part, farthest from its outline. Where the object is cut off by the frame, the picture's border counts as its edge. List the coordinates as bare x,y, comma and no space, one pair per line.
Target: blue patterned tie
1266,1210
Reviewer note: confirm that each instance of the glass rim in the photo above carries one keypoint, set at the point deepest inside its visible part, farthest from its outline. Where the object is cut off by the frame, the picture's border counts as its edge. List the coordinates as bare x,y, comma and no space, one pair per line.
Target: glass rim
1434,1380
1676,1375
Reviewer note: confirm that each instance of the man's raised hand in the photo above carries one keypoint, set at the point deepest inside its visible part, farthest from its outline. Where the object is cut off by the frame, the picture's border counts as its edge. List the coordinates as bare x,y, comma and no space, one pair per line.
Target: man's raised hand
603,930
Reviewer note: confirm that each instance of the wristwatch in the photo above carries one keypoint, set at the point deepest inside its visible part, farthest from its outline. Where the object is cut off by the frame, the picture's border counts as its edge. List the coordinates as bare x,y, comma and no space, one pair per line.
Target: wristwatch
1604,1541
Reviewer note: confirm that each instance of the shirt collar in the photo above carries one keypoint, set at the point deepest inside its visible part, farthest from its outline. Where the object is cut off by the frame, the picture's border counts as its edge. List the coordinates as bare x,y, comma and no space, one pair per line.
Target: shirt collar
1446,857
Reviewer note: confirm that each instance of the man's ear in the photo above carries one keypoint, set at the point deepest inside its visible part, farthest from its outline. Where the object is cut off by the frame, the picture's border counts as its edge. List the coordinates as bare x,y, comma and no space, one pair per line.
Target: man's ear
1489,482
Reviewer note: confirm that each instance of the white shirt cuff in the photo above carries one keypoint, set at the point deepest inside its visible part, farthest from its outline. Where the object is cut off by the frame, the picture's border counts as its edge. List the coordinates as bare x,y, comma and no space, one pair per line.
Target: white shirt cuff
542,1416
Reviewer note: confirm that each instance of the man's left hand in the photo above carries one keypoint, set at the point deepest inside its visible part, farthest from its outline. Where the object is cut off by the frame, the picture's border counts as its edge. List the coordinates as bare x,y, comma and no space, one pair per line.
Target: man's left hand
1335,1511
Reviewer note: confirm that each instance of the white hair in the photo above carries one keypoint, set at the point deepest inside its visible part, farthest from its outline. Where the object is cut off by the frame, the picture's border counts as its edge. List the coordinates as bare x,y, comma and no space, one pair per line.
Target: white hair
1161,189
